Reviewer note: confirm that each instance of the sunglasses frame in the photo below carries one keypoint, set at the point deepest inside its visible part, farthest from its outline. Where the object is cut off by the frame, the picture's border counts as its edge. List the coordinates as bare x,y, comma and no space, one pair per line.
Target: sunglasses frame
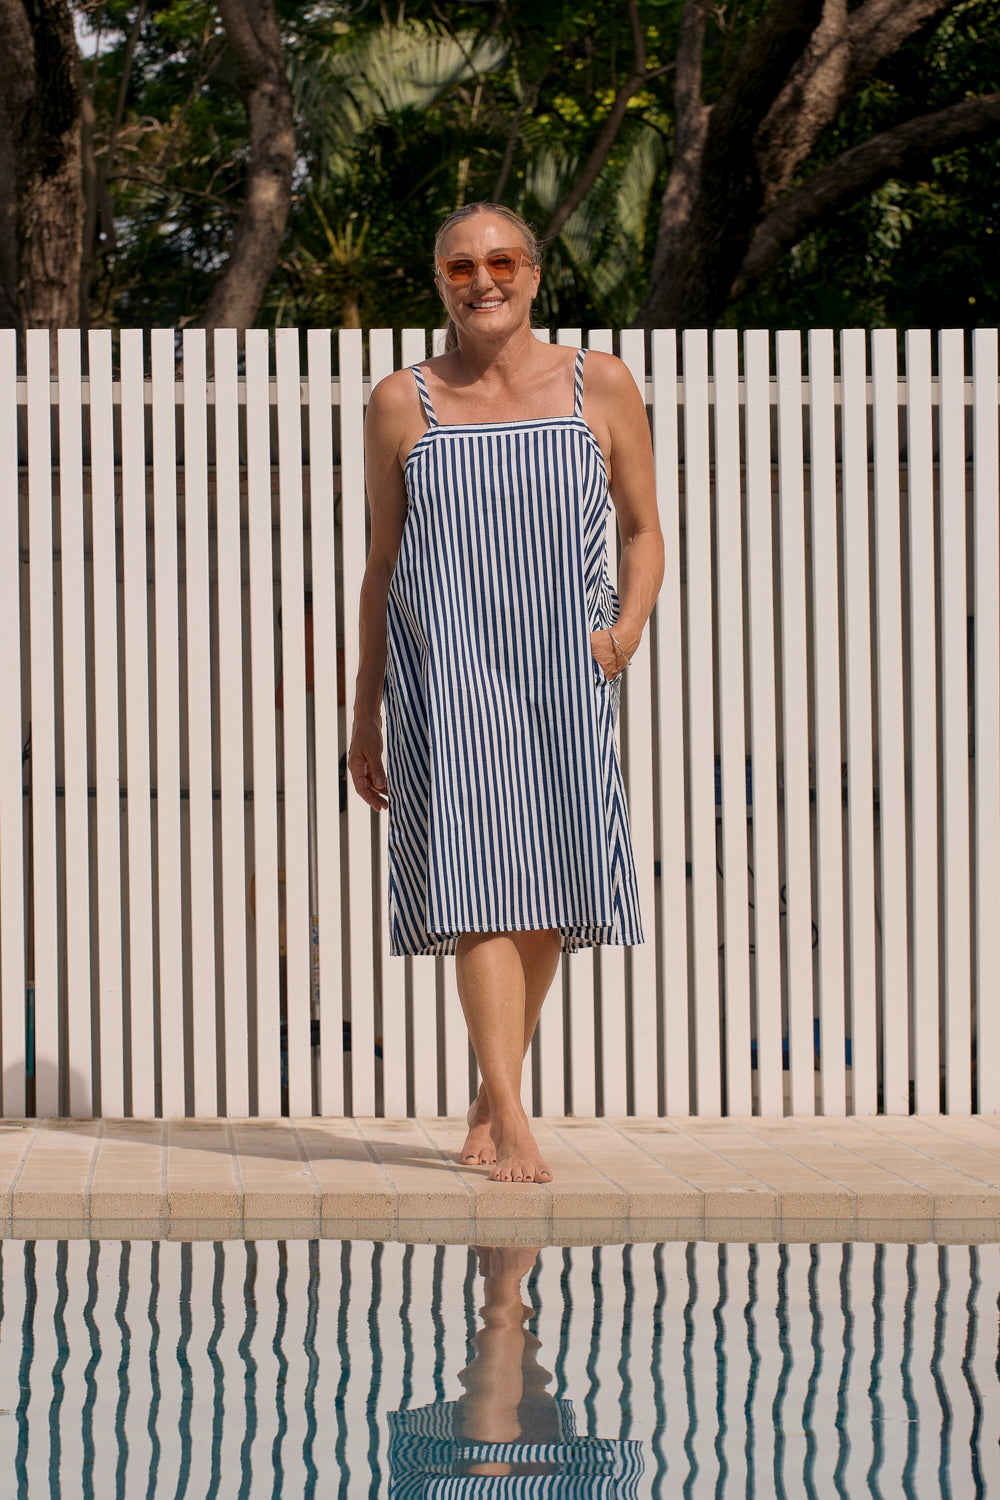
483,260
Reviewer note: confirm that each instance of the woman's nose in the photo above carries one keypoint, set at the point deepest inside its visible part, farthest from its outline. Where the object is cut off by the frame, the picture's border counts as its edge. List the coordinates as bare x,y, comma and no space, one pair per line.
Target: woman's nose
482,277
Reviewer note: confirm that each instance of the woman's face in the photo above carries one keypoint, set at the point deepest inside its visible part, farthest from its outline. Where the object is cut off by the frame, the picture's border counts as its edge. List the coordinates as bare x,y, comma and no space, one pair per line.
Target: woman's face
487,308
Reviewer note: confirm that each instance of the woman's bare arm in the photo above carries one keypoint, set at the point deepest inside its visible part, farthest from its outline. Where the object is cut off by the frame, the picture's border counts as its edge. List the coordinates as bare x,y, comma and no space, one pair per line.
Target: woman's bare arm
384,423
615,398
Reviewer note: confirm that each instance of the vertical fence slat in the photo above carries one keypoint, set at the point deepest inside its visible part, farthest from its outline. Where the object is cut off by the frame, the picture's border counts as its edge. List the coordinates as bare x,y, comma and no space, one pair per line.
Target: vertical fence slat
767,937
298,917
701,729
669,730
578,969
860,822
106,657
380,361
74,705
826,690
359,817
262,690
231,776
325,693
136,592
923,724
610,962
168,744
638,705
550,1037
12,972
986,481
44,889
795,719
199,724
423,970
732,723
891,769
955,728
456,1057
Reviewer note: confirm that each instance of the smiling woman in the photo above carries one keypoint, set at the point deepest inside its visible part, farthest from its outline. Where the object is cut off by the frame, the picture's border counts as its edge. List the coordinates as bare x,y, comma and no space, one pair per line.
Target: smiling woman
490,624
461,270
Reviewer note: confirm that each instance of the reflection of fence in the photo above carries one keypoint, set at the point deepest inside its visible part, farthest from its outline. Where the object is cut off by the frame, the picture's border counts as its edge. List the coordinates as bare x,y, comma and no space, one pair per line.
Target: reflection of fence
802,710
733,1369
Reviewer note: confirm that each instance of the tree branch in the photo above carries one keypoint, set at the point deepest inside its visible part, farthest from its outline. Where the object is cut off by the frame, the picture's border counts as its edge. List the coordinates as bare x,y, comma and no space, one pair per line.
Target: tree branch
899,152
253,33
707,244
636,80
690,124
844,50
527,99
123,82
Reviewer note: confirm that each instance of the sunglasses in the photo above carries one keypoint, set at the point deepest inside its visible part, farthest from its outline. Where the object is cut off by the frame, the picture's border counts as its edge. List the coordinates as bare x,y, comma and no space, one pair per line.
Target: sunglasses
501,266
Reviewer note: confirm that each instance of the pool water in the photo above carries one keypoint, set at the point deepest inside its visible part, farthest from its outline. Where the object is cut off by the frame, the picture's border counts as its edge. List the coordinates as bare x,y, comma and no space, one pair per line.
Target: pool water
351,1369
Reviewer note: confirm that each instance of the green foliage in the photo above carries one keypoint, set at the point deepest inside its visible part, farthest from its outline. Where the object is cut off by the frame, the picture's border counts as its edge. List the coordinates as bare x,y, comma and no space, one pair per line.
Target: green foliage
912,254
404,112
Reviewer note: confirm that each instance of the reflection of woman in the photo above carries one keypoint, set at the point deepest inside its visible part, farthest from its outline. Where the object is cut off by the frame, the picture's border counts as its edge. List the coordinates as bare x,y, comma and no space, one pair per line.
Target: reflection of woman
488,615
507,1435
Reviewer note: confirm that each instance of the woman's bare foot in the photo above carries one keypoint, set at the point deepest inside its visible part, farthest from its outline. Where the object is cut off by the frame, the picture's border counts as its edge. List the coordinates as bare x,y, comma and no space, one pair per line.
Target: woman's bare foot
518,1158
479,1150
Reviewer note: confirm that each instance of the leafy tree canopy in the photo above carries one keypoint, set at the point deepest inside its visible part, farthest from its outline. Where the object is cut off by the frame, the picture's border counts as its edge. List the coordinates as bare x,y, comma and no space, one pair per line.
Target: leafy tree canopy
404,113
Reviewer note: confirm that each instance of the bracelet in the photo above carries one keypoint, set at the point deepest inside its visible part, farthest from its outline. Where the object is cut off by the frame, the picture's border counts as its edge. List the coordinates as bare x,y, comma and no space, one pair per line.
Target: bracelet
628,659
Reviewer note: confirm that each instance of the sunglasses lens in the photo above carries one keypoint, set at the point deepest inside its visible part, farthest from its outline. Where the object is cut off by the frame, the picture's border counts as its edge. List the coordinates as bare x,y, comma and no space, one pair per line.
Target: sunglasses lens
501,265
459,272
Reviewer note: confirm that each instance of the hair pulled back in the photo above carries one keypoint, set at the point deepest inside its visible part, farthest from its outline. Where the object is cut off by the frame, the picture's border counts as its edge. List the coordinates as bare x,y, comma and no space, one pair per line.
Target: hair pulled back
524,231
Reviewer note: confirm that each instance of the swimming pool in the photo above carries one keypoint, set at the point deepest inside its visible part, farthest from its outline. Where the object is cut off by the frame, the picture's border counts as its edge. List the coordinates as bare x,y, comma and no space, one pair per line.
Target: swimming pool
322,1367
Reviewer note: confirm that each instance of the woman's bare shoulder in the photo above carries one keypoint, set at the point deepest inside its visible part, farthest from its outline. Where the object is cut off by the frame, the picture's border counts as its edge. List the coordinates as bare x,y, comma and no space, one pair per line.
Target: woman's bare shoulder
606,375
394,394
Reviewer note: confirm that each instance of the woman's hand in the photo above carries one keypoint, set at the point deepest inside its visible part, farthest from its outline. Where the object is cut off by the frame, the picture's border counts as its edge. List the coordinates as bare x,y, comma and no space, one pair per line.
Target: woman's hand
364,761
606,654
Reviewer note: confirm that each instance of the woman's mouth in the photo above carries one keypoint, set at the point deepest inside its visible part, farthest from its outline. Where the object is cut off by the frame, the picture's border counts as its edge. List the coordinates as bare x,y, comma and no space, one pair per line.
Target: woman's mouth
487,304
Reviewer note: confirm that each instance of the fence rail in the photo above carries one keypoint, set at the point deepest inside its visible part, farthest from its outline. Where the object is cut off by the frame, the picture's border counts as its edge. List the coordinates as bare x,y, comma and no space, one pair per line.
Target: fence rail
192,910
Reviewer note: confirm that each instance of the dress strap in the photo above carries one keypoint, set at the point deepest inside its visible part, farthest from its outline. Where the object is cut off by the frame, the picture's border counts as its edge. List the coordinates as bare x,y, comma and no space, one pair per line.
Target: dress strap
418,376
578,383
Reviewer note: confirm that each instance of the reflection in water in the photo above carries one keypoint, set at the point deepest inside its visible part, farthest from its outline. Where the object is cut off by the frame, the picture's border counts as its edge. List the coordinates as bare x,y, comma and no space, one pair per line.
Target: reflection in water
507,1434
320,1368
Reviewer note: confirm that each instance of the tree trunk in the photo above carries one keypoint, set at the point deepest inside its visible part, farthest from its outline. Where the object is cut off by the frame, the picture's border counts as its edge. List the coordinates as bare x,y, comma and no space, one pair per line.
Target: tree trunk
252,30
42,200
730,208
692,285
41,239
900,152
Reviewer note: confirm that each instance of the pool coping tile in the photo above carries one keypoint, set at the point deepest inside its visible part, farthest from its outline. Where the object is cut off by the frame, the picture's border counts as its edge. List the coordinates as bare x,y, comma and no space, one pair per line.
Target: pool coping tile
848,1177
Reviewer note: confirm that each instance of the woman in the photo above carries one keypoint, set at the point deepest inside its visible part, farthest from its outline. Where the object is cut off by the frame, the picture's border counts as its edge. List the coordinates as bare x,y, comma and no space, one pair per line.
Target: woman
489,619
507,1434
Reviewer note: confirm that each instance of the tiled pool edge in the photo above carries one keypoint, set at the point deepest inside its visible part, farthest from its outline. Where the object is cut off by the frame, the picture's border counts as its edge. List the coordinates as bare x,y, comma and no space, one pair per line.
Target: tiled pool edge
914,1179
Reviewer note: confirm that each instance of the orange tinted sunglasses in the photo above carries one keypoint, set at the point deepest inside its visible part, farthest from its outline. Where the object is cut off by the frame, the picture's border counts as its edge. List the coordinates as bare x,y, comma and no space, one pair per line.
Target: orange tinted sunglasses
502,265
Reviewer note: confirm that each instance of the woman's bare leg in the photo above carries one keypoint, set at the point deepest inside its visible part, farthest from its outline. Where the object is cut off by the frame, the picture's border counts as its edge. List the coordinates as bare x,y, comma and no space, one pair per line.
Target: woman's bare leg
490,969
539,952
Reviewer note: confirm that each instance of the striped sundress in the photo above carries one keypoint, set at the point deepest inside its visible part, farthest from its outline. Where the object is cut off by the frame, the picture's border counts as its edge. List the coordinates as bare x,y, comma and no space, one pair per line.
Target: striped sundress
428,1461
506,803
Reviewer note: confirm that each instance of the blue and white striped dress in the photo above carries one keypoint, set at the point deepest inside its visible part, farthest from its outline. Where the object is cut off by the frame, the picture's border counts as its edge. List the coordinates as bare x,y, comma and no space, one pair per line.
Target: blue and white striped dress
506,804
427,1461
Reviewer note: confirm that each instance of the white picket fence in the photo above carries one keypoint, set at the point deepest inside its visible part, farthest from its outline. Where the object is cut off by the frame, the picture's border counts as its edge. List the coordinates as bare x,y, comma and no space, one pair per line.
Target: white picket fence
190,922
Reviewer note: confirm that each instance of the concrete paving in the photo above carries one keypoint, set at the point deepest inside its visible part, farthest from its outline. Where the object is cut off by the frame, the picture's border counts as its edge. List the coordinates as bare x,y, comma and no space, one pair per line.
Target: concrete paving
797,1178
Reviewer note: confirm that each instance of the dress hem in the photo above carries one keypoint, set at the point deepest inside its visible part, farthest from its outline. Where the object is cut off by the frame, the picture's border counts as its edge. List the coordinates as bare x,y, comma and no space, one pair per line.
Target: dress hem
574,940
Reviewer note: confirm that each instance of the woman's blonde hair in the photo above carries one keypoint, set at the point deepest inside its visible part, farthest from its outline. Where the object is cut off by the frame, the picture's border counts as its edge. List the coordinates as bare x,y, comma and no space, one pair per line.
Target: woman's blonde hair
525,234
